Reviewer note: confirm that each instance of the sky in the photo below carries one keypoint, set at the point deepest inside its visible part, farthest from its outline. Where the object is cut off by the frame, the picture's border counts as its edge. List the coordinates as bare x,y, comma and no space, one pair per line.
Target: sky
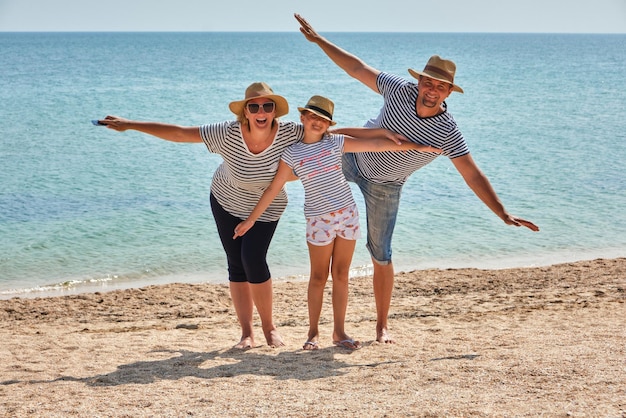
538,16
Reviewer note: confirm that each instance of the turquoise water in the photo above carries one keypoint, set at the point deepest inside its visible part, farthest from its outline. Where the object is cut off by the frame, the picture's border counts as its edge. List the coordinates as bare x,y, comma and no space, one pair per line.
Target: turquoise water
83,207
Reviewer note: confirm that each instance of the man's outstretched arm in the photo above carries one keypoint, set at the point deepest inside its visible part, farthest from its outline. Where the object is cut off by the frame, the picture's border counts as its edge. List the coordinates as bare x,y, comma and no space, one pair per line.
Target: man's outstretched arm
480,185
351,64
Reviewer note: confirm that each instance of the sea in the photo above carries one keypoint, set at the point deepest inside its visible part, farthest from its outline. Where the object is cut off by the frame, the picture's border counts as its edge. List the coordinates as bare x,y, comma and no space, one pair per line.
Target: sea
84,208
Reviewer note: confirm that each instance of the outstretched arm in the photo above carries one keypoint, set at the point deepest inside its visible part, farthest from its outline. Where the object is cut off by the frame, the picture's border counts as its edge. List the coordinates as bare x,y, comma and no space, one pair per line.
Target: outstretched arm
367,133
283,175
364,135
351,64
377,140
480,185
174,133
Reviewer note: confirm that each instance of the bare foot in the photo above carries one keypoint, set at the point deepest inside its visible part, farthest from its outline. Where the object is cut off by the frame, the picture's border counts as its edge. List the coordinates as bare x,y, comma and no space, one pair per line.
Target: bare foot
383,337
274,339
245,343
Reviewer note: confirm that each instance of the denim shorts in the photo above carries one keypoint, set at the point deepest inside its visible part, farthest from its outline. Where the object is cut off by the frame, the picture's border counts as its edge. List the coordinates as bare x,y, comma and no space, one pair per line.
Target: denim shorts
381,206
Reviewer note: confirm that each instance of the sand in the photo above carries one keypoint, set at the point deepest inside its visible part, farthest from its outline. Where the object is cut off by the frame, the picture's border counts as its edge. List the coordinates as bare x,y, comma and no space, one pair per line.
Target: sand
543,341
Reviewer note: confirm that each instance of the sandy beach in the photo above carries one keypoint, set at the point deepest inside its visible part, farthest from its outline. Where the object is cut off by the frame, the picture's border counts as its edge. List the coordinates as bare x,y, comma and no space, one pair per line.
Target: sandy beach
542,341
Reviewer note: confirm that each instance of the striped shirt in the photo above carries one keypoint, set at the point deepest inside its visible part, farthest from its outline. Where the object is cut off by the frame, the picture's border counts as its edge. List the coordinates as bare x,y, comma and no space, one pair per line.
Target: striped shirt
398,114
240,180
318,165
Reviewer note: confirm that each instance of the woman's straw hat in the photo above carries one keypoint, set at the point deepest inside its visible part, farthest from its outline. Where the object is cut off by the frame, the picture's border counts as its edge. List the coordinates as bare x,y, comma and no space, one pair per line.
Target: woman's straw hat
256,91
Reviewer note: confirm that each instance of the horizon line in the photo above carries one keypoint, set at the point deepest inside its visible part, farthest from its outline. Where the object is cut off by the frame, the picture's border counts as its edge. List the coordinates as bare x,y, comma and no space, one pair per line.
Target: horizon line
325,32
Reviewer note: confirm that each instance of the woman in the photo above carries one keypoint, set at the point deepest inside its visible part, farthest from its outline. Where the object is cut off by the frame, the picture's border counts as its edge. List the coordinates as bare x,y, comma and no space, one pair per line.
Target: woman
331,214
251,148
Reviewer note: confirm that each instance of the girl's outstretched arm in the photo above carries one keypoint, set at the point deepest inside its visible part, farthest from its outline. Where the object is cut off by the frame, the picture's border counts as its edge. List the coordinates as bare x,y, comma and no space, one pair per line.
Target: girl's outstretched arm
283,175
381,143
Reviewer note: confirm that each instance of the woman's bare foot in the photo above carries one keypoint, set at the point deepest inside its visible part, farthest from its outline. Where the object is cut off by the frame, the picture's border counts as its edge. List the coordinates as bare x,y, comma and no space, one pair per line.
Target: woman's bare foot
245,343
274,339
383,337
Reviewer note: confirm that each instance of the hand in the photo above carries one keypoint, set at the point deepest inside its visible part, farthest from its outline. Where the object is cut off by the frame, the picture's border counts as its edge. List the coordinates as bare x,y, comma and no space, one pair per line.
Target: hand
306,29
514,220
428,148
242,228
116,123
395,137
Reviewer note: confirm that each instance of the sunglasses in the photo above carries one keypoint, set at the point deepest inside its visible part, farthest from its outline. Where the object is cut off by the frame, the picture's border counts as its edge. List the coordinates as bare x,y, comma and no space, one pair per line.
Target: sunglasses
267,107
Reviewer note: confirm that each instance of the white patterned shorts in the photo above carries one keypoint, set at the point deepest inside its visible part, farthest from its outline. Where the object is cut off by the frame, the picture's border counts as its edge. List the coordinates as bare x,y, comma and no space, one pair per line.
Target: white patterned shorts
323,229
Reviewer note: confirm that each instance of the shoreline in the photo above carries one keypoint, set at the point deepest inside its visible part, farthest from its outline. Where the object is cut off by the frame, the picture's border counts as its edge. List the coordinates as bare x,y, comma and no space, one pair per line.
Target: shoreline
76,287
546,341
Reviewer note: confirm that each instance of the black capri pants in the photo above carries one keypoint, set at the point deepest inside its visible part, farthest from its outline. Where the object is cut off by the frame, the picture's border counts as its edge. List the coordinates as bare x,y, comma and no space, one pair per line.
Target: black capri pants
246,255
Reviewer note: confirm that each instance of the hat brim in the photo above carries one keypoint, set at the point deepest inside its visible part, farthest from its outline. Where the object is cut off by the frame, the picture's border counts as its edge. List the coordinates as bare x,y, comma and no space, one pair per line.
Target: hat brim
282,107
417,74
332,122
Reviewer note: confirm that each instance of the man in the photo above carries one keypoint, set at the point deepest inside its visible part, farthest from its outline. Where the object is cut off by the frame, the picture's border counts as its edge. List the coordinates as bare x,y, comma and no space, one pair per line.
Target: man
418,112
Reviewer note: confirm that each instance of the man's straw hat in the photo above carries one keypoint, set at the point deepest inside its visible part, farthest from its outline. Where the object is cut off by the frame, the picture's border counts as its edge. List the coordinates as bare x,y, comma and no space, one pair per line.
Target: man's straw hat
439,69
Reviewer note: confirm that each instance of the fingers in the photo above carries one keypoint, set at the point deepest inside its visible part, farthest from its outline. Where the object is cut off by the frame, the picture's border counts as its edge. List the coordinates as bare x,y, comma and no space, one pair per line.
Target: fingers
528,225
305,27
240,231
300,19
523,222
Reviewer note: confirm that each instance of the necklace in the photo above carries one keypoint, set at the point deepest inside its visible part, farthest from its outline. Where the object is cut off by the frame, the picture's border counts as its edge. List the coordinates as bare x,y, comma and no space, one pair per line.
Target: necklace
260,146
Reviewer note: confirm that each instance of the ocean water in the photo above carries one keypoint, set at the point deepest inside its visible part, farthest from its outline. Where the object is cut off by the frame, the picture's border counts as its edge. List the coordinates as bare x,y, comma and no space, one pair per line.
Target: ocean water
84,208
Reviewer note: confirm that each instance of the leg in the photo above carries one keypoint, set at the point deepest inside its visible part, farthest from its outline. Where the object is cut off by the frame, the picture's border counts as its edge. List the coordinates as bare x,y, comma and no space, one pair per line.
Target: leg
381,203
243,302
319,257
383,288
240,292
382,208
341,260
262,295
254,246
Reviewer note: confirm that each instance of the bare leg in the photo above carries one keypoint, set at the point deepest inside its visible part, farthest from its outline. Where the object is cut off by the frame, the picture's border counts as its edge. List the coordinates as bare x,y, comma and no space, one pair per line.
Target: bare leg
319,257
383,288
341,260
262,297
242,301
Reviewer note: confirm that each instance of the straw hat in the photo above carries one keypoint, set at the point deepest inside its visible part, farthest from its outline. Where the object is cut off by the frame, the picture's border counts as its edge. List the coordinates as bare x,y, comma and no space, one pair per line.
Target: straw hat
322,107
439,69
256,91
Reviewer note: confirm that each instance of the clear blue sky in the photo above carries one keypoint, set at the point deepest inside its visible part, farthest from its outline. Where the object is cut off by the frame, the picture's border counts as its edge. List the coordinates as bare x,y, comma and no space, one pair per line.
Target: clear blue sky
550,16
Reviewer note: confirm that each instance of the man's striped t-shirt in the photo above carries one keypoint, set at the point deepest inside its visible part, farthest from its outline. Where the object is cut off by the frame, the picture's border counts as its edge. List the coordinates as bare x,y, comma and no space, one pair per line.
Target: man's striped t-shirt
398,114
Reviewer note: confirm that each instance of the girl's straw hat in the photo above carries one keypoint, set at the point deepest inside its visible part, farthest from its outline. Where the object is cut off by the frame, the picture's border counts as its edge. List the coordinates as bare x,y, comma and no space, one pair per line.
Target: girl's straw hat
322,107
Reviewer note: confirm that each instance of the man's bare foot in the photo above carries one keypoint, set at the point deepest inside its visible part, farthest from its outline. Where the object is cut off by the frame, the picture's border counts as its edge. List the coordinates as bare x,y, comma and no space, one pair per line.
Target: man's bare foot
383,337
245,343
274,339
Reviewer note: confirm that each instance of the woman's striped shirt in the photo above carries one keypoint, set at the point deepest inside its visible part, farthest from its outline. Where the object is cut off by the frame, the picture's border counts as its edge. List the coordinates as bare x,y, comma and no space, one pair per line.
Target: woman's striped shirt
240,180
398,114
